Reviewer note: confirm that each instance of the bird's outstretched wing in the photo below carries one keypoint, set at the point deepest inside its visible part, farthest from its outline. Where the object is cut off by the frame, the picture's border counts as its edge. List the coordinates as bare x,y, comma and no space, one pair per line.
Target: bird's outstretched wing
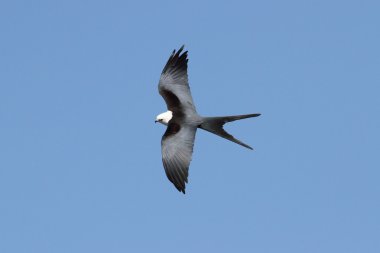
174,84
177,148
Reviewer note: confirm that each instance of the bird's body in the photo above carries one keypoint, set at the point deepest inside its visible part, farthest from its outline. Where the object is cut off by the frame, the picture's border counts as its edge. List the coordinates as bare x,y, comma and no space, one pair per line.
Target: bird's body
182,120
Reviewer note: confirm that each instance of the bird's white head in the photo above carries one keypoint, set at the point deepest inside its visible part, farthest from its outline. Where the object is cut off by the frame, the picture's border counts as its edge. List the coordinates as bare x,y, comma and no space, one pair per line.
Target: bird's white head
164,118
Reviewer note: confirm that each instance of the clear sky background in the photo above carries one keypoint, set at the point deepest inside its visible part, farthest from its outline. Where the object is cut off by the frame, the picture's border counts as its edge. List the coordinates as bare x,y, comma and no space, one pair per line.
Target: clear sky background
80,155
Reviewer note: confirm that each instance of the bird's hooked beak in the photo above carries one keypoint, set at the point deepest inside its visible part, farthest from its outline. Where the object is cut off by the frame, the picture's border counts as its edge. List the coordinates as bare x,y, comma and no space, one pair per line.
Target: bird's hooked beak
155,121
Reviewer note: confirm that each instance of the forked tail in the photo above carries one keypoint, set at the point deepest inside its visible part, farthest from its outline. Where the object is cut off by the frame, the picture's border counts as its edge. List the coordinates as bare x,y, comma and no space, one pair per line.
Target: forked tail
215,125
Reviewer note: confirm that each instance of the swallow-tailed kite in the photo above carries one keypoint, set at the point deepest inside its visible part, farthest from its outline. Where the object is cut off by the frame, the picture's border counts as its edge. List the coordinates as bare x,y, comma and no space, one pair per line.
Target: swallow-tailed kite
182,120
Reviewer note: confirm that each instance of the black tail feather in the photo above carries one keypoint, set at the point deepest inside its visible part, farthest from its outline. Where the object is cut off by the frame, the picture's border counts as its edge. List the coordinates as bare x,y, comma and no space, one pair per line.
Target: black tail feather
215,125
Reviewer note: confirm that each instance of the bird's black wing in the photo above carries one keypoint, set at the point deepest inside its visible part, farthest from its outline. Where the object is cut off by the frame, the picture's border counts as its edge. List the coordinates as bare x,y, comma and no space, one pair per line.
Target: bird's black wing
174,85
177,148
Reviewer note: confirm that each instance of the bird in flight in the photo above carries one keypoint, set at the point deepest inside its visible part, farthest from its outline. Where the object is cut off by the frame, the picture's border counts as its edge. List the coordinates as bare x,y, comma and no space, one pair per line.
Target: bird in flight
182,120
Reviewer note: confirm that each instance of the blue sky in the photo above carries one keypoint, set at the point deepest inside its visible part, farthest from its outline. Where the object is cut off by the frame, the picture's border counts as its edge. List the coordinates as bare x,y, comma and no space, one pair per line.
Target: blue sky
80,161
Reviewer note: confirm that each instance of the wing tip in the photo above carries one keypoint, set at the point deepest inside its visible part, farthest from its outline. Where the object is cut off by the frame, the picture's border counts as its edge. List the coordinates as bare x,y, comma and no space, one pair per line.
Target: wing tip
180,188
178,182
177,61
181,48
